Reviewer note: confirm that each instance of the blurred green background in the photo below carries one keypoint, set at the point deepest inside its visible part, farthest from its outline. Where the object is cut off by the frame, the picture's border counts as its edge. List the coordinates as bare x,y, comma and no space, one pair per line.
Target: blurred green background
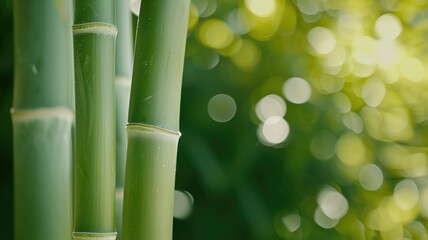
301,119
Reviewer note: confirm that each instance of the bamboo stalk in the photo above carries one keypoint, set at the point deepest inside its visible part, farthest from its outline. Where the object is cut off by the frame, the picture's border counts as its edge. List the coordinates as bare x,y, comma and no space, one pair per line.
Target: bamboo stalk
94,167
153,129
124,57
42,120
123,88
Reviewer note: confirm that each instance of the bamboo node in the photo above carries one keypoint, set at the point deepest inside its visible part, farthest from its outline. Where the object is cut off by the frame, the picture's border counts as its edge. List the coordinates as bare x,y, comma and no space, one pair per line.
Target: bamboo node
95,28
61,112
151,128
123,81
94,236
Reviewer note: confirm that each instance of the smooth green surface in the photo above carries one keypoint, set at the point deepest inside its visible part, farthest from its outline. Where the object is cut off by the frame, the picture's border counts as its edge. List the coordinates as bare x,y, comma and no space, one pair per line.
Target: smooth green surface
124,61
124,57
119,212
41,122
94,196
124,42
158,65
153,130
42,59
95,165
94,11
149,185
42,173
123,88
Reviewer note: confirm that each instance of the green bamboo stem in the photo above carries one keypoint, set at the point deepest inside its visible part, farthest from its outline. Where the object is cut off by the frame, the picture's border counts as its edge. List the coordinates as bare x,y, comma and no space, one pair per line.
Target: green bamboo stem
123,88
124,57
153,129
94,167
42,120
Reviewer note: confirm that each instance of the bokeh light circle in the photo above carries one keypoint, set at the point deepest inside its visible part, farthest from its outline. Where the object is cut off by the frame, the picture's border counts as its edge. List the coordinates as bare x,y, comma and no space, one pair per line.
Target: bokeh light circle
261,8
222,108
269,106
332,203
371,177
388,26
183,204
322,40
273,131
297,90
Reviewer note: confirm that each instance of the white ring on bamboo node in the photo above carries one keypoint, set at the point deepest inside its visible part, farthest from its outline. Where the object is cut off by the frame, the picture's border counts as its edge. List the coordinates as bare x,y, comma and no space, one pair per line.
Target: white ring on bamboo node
150,128
95,28
20,114
94,236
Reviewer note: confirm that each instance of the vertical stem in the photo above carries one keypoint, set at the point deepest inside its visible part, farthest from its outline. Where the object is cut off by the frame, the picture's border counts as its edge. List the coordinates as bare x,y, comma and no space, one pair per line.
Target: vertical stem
94,51
42,120
123,88
153,130
124,57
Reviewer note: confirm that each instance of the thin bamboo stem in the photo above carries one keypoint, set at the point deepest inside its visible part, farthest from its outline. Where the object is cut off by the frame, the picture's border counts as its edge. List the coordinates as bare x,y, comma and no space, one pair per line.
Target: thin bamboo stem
153,129
94,167
123,88
124,57
42,120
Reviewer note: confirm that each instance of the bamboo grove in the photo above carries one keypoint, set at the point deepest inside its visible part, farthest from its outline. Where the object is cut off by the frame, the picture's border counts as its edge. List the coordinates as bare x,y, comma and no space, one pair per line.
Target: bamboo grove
73,70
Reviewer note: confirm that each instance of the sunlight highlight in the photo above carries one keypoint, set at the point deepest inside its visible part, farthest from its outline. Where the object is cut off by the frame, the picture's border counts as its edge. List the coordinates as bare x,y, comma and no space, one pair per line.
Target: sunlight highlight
371,177
396,123
291,222
406,194
322,40
238,22
350,150
364,50
379,219
222,108
269,106
332,203
261,8
183,204
342,102
273,131
297,90
412,69
324,221
335,59
308,7
389,52
353,122
247,56
373,92
388,26
216,34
